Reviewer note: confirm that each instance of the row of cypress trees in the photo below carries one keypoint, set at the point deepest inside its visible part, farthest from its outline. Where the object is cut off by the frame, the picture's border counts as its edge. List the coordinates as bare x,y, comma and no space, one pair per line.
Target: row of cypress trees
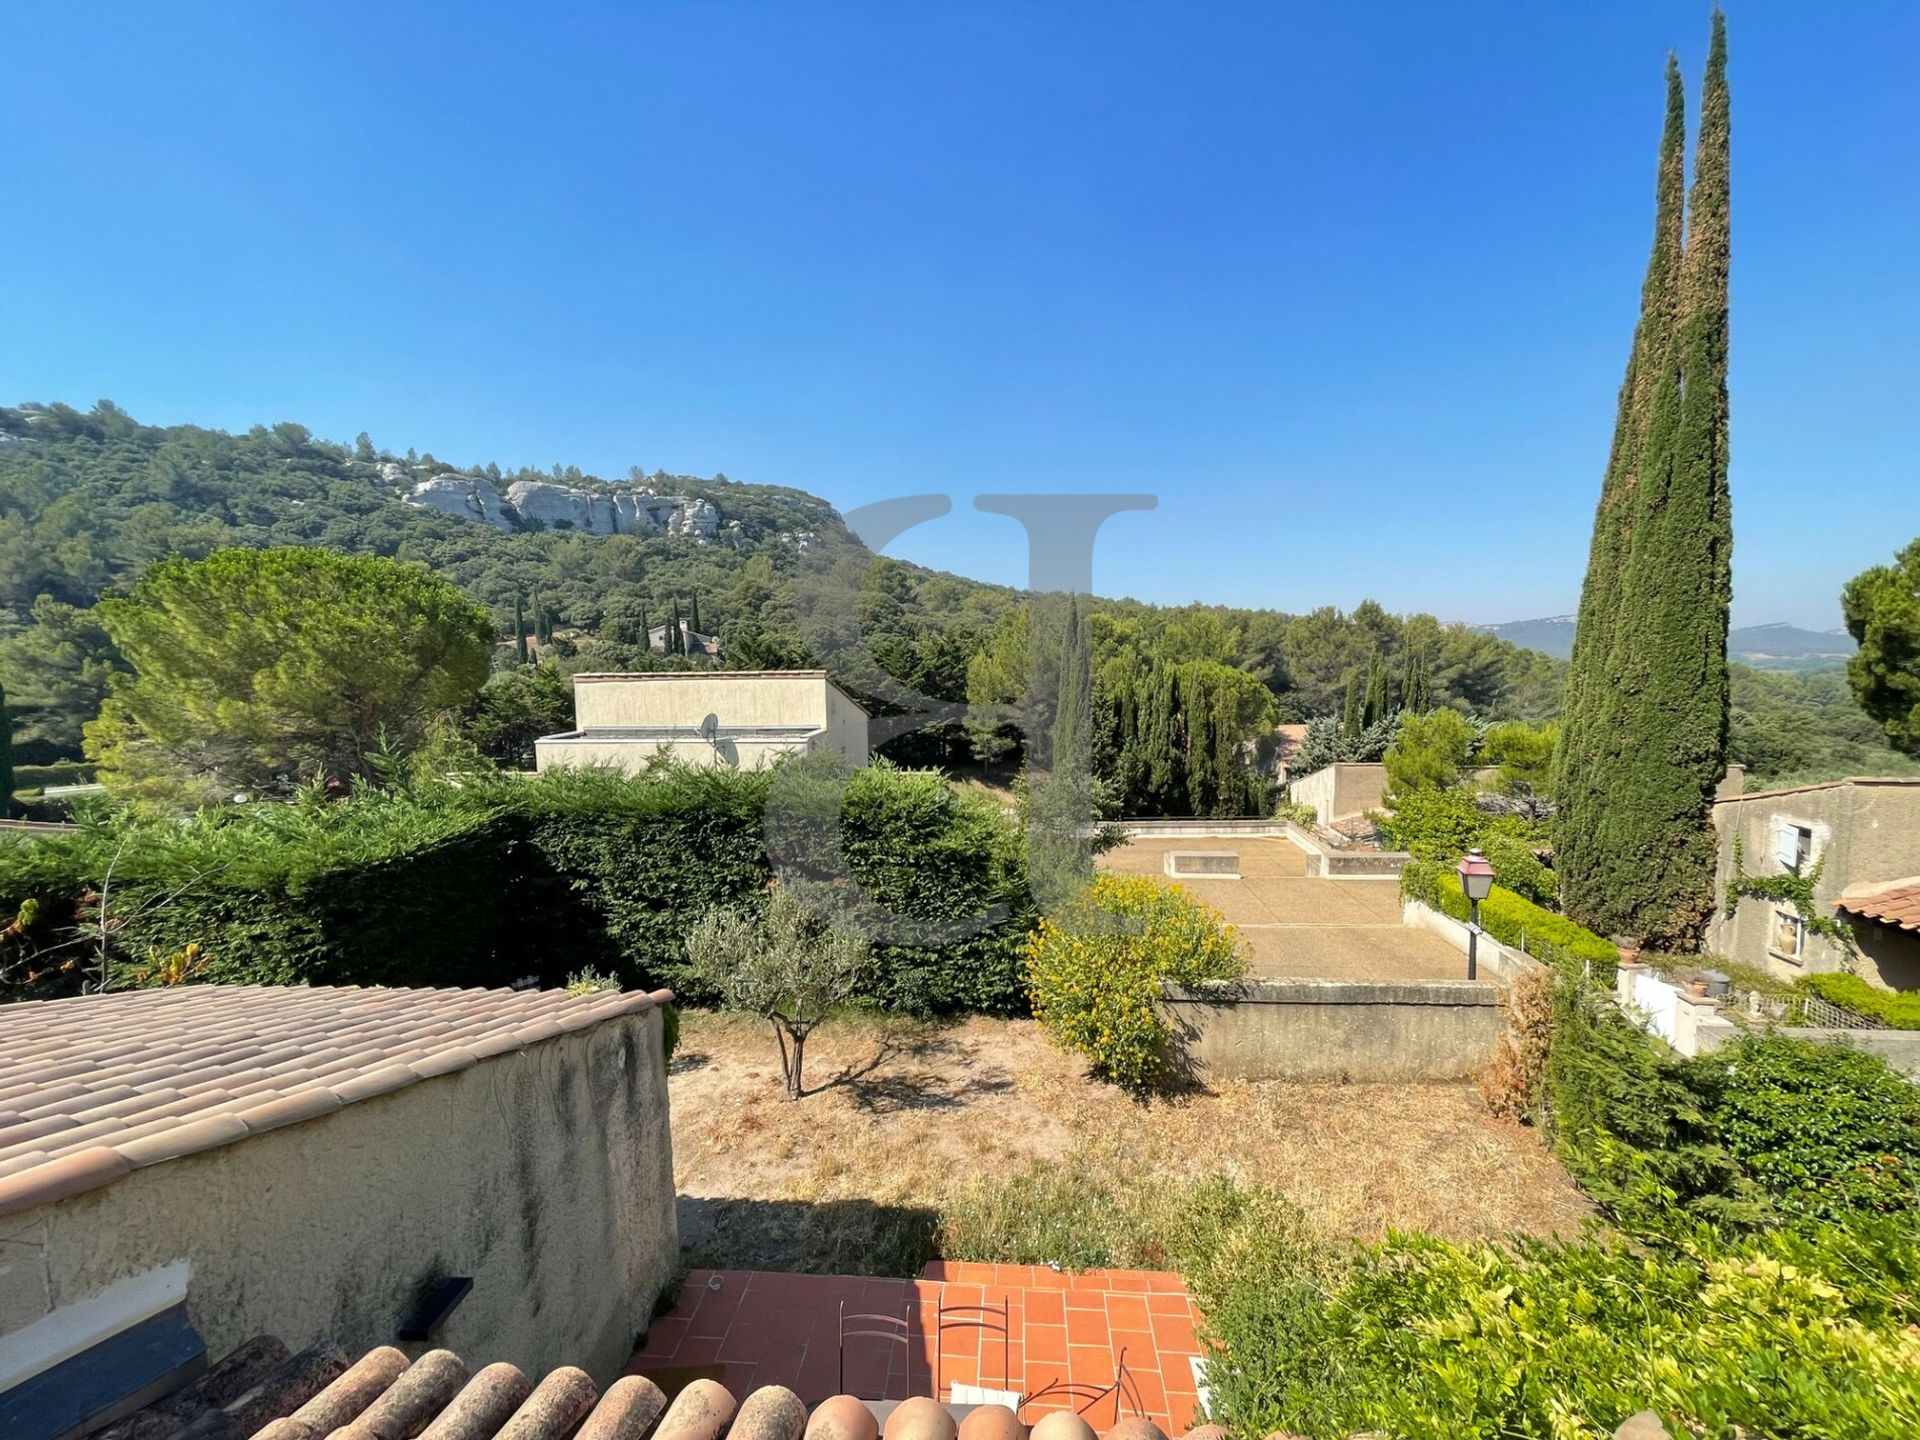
1644,728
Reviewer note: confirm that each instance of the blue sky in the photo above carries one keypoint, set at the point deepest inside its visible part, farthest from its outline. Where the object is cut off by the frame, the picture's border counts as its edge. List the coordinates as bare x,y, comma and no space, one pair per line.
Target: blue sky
1348,287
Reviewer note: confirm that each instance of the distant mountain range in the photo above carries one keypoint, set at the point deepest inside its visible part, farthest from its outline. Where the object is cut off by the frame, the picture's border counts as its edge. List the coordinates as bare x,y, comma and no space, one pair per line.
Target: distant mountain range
1765,647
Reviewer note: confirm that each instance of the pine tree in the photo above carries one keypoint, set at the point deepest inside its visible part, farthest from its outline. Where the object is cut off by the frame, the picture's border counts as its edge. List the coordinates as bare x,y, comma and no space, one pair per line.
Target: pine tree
1643,737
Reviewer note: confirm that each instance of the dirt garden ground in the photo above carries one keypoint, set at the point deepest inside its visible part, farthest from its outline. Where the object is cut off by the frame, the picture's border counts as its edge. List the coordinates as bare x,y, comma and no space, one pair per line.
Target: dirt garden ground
901,1116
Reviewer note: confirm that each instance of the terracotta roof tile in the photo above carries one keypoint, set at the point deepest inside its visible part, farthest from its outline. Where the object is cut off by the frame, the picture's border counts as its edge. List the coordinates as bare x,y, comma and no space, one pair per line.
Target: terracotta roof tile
316,1395
1892,902
94,1087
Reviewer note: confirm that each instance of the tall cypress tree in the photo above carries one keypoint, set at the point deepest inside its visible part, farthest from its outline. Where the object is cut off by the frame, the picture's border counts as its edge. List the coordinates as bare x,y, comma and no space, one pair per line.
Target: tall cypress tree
520,626
693,616
1643,734
676,642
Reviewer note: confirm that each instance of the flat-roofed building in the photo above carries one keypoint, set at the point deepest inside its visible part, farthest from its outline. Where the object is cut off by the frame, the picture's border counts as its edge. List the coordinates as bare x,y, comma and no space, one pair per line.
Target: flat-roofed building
741,719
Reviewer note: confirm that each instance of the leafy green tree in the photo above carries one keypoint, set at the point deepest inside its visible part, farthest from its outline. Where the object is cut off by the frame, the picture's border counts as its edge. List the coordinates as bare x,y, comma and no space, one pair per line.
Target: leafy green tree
1524,754
57,671
1430,751
259,670
1882,609
791,965
515,708
1643,744
6,756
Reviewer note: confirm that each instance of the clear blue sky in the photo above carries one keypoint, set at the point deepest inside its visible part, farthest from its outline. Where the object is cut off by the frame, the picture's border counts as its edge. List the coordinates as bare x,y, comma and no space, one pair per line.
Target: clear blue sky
1348,286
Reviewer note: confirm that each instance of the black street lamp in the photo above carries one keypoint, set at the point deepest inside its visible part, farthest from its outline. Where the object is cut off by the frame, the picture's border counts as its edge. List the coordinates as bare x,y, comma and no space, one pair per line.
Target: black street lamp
1476,883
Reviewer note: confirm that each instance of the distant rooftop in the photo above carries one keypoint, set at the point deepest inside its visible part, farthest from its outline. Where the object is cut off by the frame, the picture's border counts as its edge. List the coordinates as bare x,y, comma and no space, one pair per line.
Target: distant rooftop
1892,902
1896,780
95,1087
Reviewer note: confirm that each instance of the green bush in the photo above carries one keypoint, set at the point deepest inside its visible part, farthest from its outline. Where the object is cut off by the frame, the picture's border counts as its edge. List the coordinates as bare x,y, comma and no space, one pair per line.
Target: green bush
1824,1129
501,878
1094,971
1514,920
1896,1010
1631,1124
1772,1335
1439,826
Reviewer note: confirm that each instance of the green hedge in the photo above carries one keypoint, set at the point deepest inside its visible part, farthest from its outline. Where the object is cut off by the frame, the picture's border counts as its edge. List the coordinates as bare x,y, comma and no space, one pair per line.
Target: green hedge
1513,920
1896,1010
504,878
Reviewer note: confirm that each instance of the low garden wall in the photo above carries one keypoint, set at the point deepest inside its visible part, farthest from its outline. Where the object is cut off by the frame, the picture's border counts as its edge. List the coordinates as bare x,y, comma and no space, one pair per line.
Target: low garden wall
1326,863
1504,963
1336,1029
1694,1025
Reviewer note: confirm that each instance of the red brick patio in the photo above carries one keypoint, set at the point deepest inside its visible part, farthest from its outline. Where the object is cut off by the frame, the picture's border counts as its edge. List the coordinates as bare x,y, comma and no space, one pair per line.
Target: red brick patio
760,1327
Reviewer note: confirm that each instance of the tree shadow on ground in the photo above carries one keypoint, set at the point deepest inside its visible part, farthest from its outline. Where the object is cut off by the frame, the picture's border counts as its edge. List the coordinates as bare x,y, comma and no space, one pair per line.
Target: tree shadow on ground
827,1237
686,1062
907,1086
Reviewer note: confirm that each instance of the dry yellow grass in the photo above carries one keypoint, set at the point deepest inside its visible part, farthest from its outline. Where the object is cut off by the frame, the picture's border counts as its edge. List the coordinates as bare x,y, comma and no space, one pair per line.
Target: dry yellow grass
901,1115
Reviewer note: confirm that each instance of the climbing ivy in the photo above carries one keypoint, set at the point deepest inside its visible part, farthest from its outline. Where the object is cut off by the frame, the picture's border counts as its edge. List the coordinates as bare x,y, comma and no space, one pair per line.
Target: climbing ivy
1791,889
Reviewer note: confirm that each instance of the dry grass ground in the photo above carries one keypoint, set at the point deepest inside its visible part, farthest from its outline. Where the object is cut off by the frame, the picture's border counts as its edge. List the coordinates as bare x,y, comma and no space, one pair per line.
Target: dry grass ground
901,1115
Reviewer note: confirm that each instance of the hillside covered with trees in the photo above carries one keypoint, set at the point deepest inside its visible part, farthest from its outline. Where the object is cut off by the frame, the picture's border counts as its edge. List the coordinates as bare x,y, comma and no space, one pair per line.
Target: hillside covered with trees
90,500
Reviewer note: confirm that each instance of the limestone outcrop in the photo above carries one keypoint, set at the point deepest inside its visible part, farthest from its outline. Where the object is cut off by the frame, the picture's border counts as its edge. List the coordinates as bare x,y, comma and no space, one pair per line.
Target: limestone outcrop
545,505
467,496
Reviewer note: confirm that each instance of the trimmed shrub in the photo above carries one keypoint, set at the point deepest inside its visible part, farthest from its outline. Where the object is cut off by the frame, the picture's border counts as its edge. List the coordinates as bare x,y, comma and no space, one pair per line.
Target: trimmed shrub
1824,1129
1514,920
1094,971
1896,1010
1770,1335
503,878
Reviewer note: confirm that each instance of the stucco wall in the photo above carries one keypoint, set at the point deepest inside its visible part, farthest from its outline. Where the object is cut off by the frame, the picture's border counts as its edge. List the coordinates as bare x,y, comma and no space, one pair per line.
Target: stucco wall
546,1175
846,727
634,756
684,698
1336,1029
1865,831
1337,791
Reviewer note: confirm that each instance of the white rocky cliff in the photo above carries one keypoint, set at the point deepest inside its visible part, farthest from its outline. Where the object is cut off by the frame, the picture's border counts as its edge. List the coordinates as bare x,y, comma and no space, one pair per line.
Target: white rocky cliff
541,504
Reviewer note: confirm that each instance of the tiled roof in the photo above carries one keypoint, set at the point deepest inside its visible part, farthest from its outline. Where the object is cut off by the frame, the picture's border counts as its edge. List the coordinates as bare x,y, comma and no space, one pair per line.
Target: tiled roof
95,1087
384,1396
1892,902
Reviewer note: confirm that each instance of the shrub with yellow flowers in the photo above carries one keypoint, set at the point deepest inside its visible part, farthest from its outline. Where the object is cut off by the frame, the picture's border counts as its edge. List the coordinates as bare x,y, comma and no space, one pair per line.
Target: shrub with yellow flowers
1094,971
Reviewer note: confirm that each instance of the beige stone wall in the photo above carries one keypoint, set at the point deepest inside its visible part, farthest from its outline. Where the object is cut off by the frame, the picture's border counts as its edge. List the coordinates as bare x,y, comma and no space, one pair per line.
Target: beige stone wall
1866,832
546,1175
634,755
683,699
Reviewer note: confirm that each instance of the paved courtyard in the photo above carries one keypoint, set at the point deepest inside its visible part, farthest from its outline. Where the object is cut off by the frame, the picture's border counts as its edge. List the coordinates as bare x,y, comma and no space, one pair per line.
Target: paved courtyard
1105,1342
1301,927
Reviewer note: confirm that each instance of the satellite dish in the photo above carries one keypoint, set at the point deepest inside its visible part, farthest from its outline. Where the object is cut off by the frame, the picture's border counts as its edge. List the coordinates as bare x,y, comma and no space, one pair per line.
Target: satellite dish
710,728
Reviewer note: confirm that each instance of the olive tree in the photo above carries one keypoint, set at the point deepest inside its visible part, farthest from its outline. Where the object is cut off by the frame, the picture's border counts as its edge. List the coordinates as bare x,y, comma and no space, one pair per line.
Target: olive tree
790,963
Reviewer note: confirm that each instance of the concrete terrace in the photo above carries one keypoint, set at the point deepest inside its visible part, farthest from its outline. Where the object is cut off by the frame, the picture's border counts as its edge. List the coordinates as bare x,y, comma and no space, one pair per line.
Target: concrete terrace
1302,927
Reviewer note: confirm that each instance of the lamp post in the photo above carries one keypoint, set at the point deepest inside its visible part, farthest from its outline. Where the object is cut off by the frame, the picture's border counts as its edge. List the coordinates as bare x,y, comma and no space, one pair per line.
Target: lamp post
1476,883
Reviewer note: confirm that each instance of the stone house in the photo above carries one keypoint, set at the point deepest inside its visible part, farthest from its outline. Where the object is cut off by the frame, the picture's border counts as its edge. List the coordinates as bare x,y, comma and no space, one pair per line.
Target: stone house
740,719
186,1170
1861,836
